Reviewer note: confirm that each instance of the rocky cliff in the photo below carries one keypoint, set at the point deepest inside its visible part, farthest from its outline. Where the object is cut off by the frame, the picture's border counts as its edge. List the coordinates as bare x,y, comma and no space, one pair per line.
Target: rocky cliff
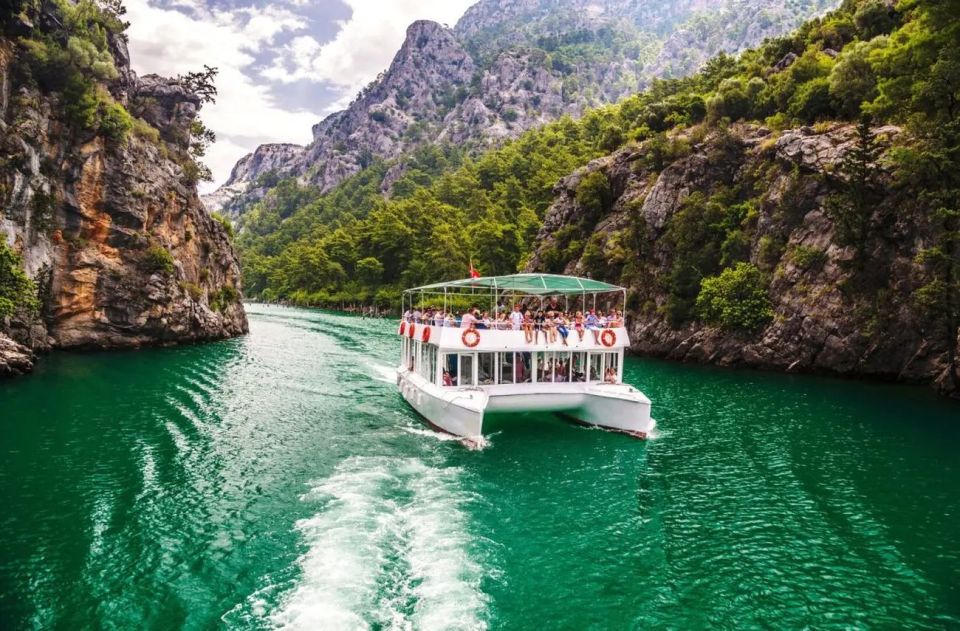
667,218
508,66
101,204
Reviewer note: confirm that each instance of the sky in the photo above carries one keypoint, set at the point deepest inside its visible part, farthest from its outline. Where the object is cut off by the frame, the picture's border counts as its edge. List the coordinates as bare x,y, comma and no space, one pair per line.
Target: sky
283,65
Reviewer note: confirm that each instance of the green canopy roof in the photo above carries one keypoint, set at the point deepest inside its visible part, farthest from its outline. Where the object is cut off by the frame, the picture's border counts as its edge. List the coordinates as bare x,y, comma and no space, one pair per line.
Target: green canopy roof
532,284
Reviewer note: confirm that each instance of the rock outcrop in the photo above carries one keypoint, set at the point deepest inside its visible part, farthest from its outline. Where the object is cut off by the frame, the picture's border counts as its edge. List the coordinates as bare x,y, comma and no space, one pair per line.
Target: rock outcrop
15,359
829,314
506,67
110,229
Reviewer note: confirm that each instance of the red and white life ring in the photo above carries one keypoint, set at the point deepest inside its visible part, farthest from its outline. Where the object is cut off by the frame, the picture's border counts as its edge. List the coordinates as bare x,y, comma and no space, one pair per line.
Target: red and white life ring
608,338
426,334
412,330
403,327
470,338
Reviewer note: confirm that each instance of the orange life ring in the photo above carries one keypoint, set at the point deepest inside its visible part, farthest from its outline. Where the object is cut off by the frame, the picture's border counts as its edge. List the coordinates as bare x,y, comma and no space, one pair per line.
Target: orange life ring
403,327
426,334
412,330
474,338
608,338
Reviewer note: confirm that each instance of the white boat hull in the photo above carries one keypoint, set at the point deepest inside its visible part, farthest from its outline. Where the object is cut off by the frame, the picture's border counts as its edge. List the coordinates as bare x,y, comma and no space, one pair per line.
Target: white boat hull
460,411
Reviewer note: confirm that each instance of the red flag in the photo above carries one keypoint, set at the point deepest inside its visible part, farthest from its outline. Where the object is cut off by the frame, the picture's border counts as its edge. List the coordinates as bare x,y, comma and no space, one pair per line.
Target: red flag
473,271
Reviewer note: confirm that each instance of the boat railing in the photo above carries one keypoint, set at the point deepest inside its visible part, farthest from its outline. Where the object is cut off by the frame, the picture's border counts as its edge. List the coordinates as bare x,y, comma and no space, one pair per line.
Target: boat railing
479,339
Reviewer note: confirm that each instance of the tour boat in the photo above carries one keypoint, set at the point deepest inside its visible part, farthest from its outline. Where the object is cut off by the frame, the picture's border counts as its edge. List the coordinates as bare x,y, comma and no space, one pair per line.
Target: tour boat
453,375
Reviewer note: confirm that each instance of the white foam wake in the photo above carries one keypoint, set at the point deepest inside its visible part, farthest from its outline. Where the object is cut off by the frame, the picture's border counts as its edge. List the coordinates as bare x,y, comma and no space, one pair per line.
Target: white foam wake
390,548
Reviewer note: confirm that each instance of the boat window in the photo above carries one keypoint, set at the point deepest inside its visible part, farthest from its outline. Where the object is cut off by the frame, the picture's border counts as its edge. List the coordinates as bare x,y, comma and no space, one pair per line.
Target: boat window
613,362
429,364
486,368
450,366
578,368
466,370
506,368
523,367
596,366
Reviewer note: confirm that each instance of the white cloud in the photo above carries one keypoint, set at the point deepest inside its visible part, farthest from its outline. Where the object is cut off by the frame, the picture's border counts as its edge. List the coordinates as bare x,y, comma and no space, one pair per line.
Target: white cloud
364,44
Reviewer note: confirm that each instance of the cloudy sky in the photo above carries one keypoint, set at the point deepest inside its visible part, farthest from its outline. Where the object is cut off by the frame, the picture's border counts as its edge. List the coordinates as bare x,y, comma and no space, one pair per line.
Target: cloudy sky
284,64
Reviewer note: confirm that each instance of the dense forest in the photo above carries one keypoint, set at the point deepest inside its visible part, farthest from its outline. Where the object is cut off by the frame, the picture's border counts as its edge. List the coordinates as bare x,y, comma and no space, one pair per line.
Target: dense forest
868,59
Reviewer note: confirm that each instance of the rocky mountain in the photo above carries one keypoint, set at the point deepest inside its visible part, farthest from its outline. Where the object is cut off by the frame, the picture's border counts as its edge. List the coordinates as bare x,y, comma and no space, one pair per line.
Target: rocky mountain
770,200
508,66
99,200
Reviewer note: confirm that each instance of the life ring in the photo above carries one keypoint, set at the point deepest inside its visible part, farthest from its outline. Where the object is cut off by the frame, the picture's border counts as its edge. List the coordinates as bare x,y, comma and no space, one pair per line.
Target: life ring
412,330
470,338
608,338
403,327
426,334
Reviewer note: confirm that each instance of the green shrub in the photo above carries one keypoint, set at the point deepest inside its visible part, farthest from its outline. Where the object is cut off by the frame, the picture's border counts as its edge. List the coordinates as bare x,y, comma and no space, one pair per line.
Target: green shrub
143,129
224,297
159,259
18,294
194,290
736,299
223,221
806,257
115,121
510,115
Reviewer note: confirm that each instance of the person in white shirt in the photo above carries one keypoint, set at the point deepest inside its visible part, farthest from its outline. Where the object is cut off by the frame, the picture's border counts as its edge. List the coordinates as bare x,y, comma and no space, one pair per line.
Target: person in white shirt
468,320
516,318
438,318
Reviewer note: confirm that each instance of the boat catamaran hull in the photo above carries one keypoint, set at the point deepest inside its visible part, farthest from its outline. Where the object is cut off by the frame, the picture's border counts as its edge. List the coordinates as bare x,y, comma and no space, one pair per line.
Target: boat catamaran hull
498,371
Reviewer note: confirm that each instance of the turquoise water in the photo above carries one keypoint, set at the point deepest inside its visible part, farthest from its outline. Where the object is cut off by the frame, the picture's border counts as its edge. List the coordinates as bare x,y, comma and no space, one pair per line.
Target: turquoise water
279,480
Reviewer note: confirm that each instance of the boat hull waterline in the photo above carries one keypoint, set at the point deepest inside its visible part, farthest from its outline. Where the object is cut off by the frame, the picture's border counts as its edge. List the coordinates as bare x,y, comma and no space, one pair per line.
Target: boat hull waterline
460,411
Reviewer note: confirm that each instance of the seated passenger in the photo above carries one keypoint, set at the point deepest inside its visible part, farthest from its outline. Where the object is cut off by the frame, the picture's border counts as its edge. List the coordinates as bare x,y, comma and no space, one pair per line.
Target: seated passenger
578,324
592,323
610,376
562,323
550,326
447,379
528,327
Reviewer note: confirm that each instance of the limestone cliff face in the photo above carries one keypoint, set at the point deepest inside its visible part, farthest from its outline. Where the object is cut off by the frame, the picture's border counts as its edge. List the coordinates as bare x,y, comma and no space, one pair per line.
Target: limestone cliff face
830,315
506,67
112,231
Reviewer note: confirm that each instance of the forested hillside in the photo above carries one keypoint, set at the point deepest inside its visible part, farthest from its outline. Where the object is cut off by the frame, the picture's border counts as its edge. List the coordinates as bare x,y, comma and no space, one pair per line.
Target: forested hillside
778,110
506,67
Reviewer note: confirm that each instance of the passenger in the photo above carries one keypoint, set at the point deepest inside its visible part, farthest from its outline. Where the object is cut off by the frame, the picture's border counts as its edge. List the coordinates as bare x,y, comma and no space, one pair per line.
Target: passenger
528,327
468,320
516,318
578,324
610,376
603,322
447,379
538,321
438,318
502,323
450,320
417,314
550,325
593,325
612,321
407,315
562,323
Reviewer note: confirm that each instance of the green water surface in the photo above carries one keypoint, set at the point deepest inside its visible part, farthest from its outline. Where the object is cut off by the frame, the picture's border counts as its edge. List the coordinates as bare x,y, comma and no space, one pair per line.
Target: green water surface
279,480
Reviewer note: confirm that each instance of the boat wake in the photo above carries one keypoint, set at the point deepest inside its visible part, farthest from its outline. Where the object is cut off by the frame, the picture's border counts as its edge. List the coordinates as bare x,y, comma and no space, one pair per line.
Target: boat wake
390,548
